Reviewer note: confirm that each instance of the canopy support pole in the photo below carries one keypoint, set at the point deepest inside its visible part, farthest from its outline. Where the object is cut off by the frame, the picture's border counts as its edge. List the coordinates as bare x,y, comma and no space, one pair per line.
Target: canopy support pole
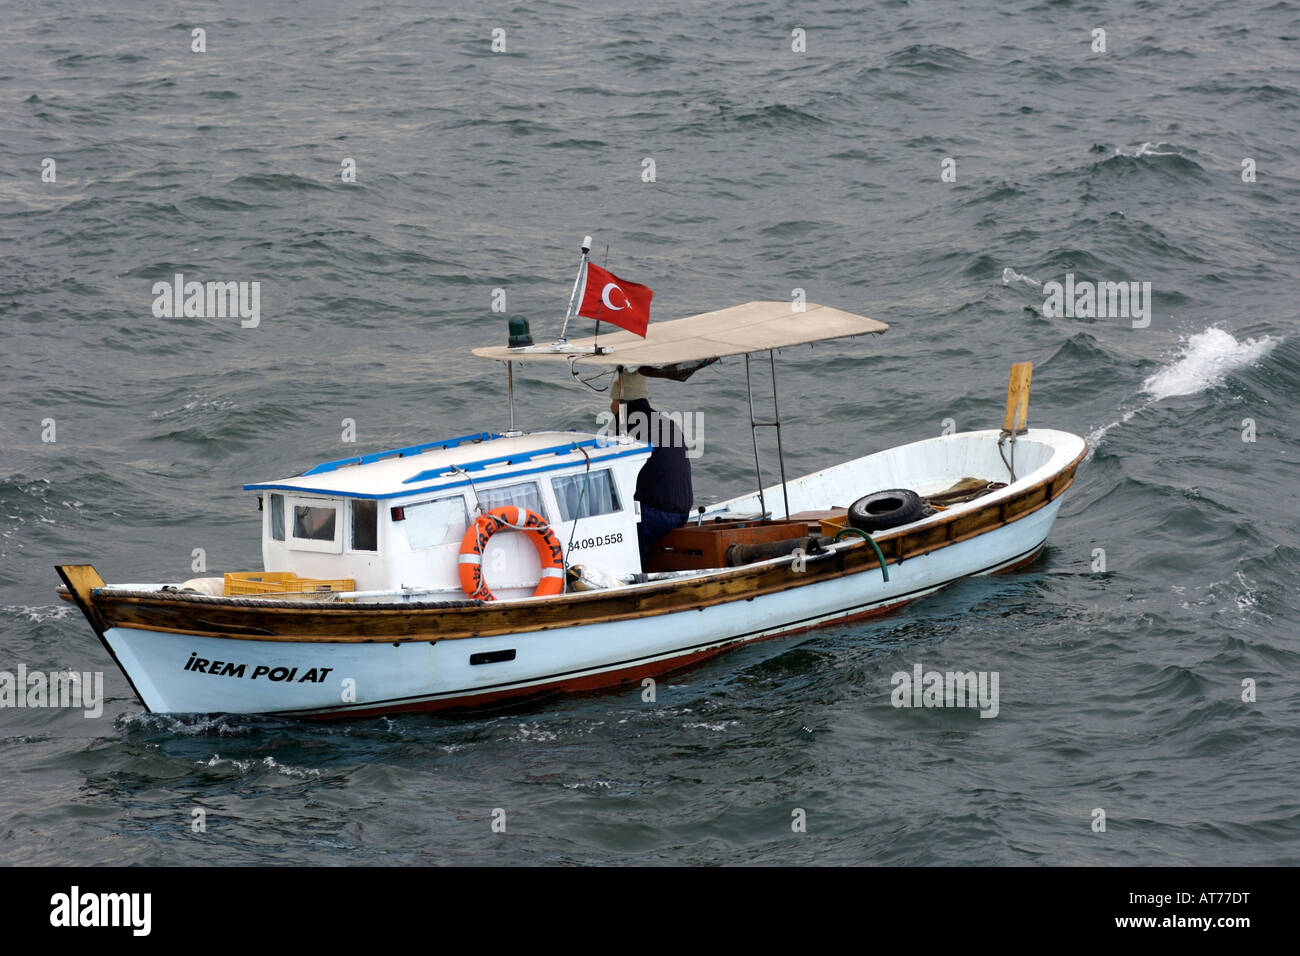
755,425
510,388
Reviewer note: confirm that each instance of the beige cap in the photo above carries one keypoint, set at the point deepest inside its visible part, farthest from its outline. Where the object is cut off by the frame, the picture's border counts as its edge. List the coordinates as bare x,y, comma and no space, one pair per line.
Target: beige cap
629,386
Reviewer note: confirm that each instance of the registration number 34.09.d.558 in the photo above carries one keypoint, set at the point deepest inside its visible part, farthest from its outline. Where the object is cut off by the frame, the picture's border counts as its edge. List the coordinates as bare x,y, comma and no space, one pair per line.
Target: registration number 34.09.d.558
597,541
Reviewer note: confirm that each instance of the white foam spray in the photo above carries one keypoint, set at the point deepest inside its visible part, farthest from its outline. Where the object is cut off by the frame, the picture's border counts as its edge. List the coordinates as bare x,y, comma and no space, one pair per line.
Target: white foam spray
1149,149
1010,275
1203,361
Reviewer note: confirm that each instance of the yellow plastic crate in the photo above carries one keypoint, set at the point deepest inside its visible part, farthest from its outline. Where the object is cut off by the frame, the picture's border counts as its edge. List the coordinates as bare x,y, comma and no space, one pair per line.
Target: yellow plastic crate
834,525
282,582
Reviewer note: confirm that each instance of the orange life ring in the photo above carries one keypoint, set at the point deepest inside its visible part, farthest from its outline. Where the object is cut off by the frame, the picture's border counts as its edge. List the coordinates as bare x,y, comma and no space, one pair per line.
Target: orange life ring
517,519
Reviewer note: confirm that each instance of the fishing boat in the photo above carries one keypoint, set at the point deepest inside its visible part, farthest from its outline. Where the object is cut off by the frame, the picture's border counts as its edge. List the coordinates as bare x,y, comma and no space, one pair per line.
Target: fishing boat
482,569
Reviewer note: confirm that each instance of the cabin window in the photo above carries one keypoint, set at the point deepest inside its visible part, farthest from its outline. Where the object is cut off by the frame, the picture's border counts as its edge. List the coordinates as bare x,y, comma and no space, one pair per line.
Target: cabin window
365,525
585,495
526,494
277,517
437,522
314,524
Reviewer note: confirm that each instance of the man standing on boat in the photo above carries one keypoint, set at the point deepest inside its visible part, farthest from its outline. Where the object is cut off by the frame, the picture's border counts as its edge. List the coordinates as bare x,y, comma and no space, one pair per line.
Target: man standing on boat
664,486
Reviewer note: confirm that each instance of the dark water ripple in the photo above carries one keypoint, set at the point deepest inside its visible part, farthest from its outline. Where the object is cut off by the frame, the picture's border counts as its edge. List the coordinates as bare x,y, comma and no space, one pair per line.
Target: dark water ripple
1119,689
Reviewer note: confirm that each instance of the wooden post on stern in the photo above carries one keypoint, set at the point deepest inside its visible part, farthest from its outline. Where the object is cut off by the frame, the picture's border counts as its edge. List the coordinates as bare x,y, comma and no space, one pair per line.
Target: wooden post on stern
1017,418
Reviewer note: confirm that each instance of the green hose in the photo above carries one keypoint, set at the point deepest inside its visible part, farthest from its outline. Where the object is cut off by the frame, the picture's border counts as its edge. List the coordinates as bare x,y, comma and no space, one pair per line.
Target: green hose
875,547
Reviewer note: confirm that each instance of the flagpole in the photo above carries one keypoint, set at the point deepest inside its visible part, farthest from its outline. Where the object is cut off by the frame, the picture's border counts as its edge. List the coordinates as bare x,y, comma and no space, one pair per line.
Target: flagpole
573,296
595,342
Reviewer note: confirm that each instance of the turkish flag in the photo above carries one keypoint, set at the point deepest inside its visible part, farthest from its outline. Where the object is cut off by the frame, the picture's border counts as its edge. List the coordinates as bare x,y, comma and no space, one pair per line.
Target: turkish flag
610,299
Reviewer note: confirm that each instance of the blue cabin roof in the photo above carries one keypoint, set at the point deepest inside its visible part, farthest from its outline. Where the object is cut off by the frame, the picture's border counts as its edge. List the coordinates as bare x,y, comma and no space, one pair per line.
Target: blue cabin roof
452,462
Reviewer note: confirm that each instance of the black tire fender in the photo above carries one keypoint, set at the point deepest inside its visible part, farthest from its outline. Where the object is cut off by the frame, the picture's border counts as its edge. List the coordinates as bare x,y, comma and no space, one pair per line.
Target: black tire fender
885,509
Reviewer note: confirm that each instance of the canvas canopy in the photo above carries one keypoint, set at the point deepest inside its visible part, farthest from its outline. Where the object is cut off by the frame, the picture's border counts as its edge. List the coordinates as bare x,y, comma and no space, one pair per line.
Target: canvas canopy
738,330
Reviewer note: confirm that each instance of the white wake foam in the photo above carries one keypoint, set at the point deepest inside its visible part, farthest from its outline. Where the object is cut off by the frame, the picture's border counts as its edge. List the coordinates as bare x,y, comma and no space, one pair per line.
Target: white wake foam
1203,361
1149,149
38,614
1097,434
1010,275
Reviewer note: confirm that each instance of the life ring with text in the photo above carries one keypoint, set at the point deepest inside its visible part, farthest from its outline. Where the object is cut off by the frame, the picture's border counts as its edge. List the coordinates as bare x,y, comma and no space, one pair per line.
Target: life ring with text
515,519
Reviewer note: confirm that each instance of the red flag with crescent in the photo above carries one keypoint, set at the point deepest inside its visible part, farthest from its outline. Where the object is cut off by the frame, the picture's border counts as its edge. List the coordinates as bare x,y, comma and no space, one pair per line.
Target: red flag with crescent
610,299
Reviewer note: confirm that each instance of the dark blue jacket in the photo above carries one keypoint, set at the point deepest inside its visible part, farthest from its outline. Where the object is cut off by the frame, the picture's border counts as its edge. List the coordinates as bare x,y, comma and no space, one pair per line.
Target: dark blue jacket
665,480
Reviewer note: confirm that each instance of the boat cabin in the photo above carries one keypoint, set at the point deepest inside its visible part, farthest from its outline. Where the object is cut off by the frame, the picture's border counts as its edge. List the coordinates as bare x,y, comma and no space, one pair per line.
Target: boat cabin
396,519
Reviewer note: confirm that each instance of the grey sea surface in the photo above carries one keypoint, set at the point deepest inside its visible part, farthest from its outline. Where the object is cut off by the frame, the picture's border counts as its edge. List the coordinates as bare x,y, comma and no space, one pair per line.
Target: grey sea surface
774,170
